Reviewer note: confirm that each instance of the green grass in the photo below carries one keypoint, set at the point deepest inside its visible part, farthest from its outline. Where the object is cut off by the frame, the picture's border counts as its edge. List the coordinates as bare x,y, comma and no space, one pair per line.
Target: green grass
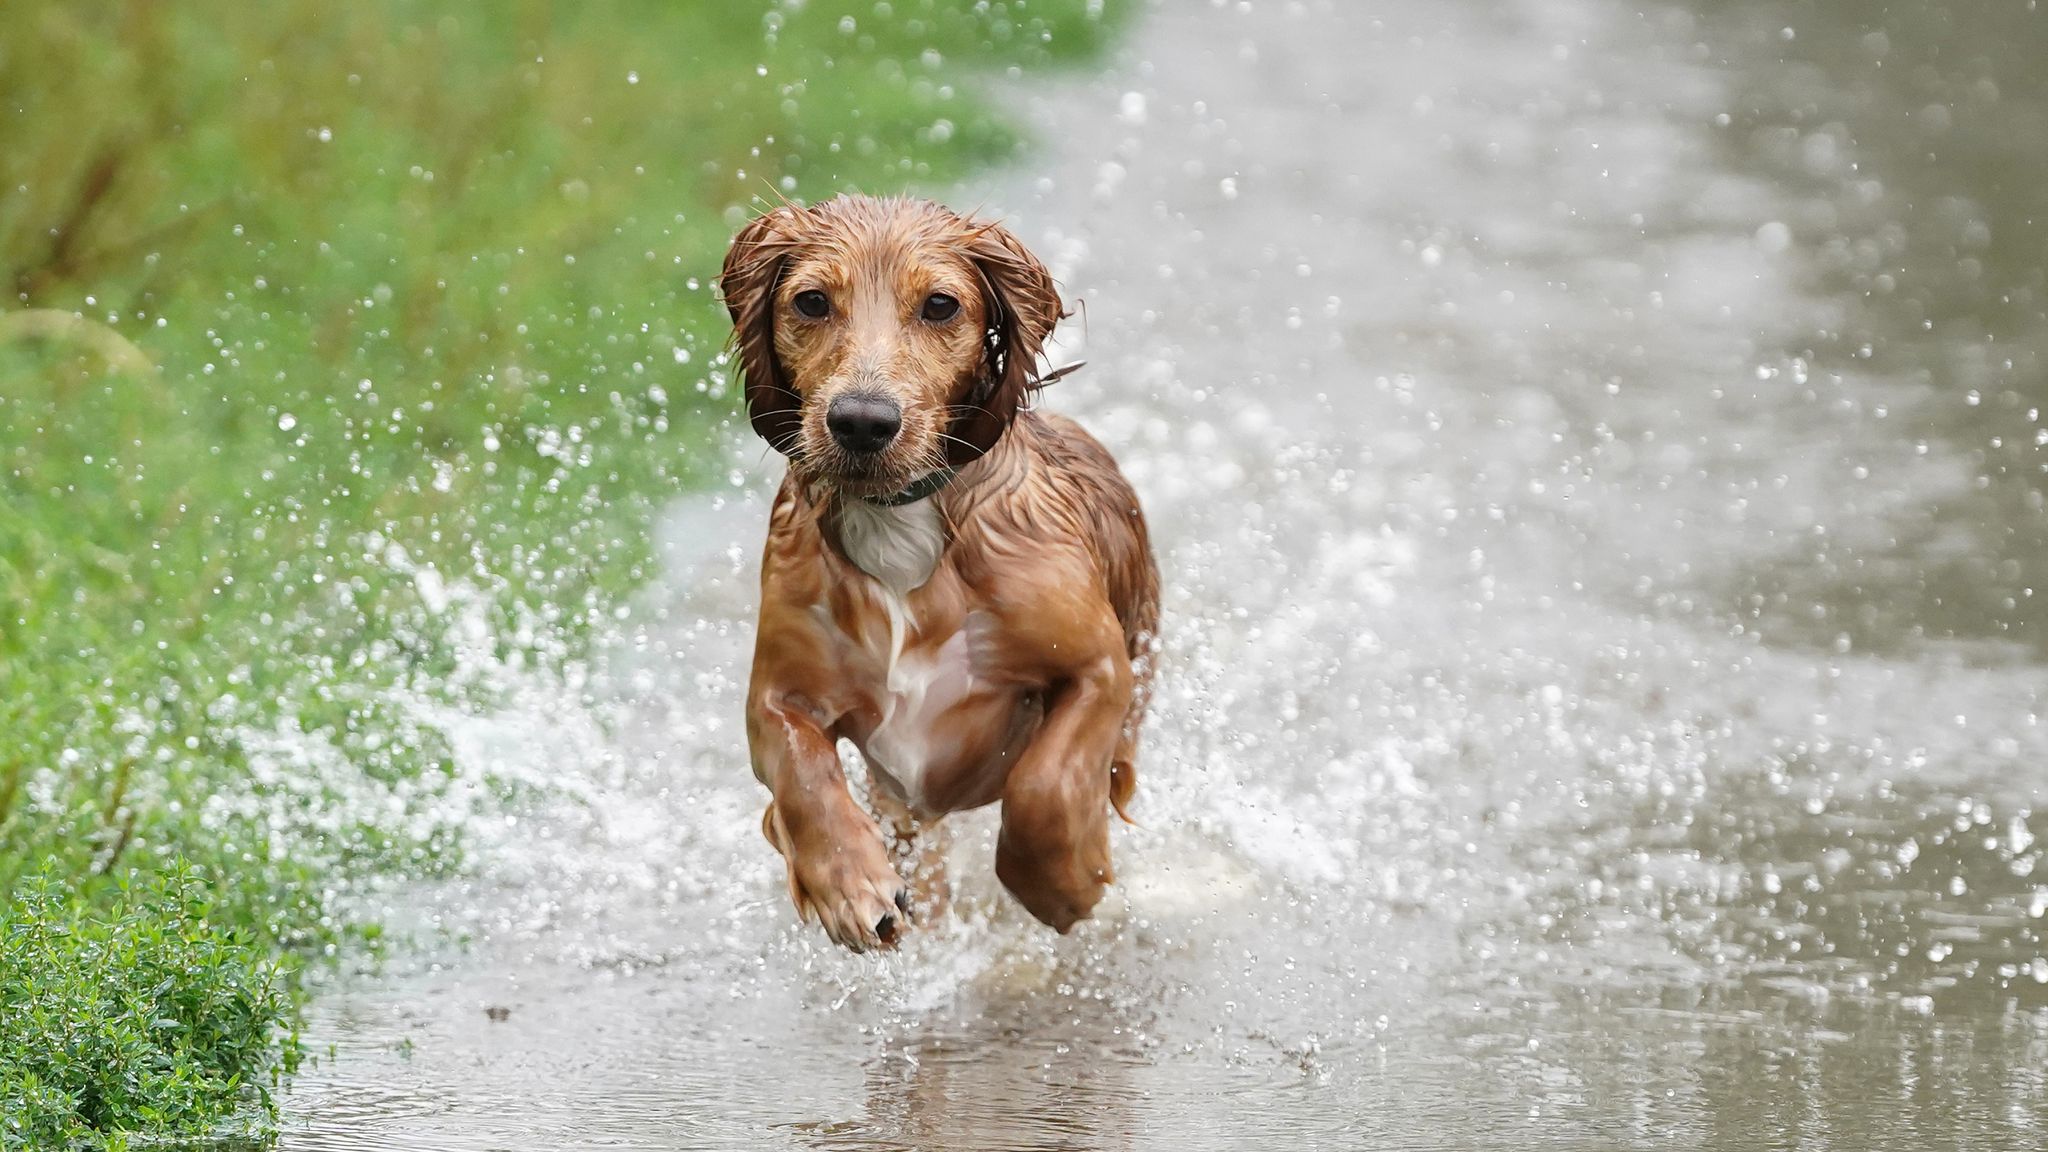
322,326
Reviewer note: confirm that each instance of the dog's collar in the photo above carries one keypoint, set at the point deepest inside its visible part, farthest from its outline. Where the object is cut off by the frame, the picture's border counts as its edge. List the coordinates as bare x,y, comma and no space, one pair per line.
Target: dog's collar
917,490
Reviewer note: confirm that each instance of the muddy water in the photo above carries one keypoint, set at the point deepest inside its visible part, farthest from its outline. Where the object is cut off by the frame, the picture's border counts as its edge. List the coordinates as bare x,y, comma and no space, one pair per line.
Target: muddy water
1596,457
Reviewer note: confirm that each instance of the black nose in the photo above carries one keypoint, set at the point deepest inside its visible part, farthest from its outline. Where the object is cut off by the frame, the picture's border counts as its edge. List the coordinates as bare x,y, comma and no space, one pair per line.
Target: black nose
863,423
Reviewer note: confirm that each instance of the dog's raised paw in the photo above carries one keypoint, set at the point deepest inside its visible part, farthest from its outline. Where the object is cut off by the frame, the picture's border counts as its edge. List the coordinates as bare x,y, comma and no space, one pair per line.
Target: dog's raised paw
857,892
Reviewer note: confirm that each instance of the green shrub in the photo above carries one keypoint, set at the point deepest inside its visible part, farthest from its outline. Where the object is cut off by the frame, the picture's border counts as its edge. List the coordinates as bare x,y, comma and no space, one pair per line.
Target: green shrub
136,1013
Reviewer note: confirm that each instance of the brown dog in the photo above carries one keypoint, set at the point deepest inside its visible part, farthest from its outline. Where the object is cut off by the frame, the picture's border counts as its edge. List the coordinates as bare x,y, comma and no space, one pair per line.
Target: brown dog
960,586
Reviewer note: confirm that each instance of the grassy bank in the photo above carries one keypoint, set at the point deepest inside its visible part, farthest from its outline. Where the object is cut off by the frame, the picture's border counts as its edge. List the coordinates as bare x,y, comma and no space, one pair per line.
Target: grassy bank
321,326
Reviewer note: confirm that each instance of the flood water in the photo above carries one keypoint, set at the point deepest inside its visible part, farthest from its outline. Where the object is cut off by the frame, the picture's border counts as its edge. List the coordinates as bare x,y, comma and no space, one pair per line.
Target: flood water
1597,464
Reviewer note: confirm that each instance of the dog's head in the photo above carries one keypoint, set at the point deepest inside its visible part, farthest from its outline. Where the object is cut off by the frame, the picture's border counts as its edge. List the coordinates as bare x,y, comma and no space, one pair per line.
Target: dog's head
883,339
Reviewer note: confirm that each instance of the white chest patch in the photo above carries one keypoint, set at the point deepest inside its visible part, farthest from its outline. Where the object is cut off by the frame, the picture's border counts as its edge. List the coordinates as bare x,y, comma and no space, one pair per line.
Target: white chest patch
899,546
920,690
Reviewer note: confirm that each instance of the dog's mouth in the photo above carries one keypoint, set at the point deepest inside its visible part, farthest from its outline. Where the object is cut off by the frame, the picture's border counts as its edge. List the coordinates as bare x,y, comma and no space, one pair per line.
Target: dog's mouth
866,479
872,474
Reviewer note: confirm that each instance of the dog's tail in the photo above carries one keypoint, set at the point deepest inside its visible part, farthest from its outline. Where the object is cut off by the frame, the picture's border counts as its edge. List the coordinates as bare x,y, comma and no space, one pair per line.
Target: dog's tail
1123,786
1142,636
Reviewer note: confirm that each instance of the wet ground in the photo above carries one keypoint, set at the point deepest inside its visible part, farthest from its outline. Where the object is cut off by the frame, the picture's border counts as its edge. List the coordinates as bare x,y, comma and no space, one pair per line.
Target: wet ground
1597,464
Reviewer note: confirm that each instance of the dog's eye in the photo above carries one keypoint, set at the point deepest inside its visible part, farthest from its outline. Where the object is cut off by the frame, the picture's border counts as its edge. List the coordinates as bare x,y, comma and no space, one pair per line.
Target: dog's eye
812,304
939,307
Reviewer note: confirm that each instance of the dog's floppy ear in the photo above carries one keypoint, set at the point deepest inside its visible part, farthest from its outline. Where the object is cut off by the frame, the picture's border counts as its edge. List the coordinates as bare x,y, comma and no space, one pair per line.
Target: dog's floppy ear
1021,305
753,268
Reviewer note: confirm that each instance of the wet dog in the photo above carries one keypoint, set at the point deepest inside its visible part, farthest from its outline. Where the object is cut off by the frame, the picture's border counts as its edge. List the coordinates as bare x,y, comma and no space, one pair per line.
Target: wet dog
960,586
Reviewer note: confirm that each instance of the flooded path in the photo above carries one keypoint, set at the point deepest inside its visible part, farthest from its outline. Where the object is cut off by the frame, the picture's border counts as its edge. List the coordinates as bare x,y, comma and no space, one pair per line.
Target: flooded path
1596,461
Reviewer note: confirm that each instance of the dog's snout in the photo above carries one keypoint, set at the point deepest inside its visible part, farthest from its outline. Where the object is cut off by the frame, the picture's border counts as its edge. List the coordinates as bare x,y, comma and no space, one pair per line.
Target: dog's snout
864,423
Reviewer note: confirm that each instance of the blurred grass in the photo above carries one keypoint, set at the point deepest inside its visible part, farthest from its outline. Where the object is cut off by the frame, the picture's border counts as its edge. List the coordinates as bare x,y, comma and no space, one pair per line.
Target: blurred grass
317,318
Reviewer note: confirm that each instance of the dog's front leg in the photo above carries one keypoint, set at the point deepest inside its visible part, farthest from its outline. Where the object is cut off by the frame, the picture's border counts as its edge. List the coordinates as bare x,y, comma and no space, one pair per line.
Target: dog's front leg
839,871
1053,851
